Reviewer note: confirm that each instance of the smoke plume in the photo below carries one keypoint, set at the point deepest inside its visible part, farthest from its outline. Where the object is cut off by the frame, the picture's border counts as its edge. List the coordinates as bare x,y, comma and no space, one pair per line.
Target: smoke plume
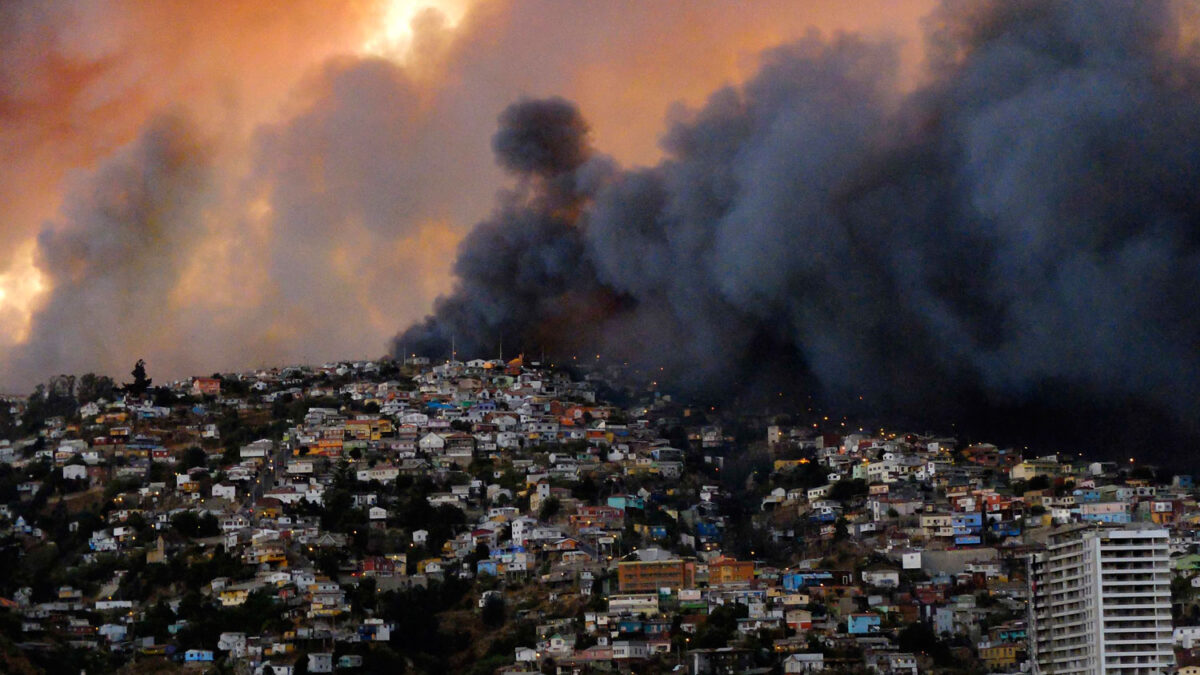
343,158
122,238
1019,233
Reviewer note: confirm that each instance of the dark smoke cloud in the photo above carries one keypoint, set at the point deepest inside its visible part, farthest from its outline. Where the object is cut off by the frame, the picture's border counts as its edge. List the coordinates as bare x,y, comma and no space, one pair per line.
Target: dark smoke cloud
342,169
541,137
1020,233
524,276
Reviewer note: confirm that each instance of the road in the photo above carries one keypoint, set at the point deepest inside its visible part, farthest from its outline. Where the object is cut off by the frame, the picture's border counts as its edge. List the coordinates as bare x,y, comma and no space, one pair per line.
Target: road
271,472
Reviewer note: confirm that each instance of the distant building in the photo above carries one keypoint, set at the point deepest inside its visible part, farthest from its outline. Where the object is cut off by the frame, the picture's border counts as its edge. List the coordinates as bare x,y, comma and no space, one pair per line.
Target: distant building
206,386
646,576
1101,601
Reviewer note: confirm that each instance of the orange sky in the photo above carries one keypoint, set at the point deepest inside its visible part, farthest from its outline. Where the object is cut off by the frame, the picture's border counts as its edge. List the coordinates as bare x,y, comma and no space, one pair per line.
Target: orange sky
342,157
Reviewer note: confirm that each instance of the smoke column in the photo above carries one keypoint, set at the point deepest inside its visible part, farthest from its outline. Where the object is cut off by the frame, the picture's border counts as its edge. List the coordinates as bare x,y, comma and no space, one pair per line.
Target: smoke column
1014,244
325,164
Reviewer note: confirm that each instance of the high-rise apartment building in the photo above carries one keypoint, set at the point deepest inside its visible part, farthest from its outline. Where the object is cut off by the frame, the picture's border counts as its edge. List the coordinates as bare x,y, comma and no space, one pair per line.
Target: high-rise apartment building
1101,602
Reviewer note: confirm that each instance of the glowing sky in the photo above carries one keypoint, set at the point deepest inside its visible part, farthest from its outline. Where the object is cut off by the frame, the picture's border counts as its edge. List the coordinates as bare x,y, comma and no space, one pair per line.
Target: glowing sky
227,185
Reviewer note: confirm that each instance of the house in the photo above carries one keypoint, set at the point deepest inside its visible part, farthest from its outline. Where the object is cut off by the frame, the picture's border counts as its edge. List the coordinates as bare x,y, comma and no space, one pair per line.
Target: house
432,443
232,597
197,655
900,664
260,449
719,660
804,663
74,472
224,491
320,662
374,630
234,643
863,624
206,386
630,650
881,578
384,473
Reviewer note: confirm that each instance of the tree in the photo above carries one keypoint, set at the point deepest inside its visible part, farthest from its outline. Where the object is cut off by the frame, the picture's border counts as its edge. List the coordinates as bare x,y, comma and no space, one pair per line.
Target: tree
193,457
1038,482
93,387
721,626
493,611
919,637
56,398
550,508
189,524
140,382
847,489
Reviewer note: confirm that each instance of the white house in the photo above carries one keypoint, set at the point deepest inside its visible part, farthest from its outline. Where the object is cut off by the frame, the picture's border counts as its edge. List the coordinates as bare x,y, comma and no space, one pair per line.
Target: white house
234,643
804,663
224,491
320,662
384,473
74,472
432,443
881,578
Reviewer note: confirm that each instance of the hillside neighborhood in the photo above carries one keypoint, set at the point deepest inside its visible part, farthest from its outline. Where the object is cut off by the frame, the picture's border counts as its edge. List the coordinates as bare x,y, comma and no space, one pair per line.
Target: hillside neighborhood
508,516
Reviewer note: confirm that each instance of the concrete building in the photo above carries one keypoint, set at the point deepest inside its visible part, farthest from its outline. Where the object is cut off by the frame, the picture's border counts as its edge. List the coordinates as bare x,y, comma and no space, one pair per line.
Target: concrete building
1101,601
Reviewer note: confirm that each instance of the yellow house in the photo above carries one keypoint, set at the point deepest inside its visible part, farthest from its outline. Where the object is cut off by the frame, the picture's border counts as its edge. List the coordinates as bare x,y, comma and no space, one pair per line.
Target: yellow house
781,464
429,564
1037,467
232,597
998,655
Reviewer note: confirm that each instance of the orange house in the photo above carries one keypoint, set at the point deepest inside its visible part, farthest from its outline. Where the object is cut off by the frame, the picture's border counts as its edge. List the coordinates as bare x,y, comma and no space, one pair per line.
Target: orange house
649,576
206,386
730,571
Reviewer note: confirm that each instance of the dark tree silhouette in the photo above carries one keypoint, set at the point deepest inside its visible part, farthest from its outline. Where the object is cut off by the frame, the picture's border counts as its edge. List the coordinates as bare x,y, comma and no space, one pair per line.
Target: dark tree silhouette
140,382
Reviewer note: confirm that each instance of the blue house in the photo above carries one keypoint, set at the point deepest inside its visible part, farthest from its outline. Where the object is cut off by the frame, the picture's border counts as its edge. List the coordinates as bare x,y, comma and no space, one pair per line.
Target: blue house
863,624
626,502
1014,634
1119,517
967,528
629,625
1006,529
967,523
198,655
794,581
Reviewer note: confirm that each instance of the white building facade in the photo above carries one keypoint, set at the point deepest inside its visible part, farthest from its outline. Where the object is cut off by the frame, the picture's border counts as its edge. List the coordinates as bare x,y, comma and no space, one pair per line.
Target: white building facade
1101,602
